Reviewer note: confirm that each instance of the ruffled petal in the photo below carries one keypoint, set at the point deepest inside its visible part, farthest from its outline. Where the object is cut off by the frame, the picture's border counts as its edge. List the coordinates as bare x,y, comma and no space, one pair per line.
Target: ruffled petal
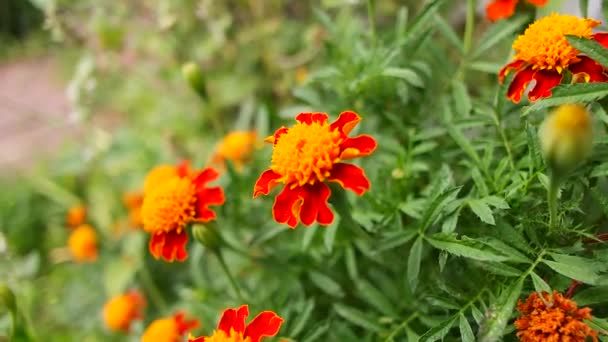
267,323
169,245
234,319
515,65
545,81
197,339
275,137
538,2
314,205
207,175
309,118
265,183
205,198
591,70
350,177
345,122
359,146
601,38
287,206
183,169
500,9
183,325
520,83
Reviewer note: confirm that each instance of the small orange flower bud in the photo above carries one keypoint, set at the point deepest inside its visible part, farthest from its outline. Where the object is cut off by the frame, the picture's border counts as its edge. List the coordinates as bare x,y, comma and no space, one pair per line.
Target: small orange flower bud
76,216
170,329
120,311
83,244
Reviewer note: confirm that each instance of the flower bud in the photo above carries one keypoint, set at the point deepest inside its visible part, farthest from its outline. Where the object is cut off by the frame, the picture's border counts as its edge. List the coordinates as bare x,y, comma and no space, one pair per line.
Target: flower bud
194,76
7,298
207,235
566,138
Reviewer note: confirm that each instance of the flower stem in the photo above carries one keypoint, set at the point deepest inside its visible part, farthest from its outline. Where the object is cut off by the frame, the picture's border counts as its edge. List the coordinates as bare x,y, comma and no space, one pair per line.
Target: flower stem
469,27
552,201
231,279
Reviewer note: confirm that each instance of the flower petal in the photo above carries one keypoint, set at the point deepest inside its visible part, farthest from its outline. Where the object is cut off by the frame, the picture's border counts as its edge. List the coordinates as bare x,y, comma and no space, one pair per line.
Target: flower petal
265,183
267,323
591,70
205,198
515,65
359,146
234,319
345,122
275,137
286,206
207,175
500,9
183,169
601,38
520,83
183,325
196,339
538,2
545,81
314,204
169,245
350,177
309,118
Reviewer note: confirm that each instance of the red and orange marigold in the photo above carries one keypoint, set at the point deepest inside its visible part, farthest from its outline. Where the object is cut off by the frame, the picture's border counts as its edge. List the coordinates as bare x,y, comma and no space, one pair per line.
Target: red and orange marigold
501,9
307,155
173,200
232,327
552,318
171,329
120,311
543,54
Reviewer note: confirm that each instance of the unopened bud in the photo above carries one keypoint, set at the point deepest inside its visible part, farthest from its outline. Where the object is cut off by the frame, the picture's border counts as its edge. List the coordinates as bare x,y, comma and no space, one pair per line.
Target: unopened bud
566,138
7,298
207,235
194,76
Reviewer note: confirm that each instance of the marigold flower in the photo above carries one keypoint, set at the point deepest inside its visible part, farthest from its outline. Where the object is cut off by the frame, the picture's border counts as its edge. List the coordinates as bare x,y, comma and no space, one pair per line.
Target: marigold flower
83,243
554,318
232,327
171,205
170,329
120,311
161,173
543,53
76,216
236,147
501,9
133,202
304,157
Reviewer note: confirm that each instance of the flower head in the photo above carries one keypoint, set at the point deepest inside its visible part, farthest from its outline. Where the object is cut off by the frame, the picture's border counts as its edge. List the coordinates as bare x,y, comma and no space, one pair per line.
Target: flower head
232,327
172,204
307,155
161,173
236,147
83,243
501,9
76,216
170,329
120,311
552,318
543,53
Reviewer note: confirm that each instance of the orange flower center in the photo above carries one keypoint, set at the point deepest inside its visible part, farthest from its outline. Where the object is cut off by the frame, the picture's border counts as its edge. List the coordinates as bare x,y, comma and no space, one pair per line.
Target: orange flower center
544,43
222,336
169,206
306,153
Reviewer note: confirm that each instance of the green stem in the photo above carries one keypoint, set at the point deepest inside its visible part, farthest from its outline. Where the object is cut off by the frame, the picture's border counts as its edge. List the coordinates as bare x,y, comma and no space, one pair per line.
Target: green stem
469,27
152,290
552,202
371,20
231,279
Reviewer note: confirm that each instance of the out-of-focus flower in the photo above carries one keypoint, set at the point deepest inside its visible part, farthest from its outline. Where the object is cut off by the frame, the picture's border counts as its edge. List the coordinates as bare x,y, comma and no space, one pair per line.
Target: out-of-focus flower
552,318
543,54
501,9
232,327
236,147
76,216
306,156
171,329
566,137
301,75
170,205
120,311
83,243
133,202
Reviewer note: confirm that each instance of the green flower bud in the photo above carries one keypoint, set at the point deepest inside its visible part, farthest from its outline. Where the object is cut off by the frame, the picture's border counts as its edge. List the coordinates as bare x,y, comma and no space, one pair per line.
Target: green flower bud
7,298
194,76
566,138
207,235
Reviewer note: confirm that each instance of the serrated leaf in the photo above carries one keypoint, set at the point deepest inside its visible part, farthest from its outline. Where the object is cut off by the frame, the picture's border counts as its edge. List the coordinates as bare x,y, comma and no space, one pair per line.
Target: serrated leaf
539,284
573,272
436,206
492,328
413,263
482,210
465,248
357,317
466,333
591,48
496,202
395,239
570,93
439,331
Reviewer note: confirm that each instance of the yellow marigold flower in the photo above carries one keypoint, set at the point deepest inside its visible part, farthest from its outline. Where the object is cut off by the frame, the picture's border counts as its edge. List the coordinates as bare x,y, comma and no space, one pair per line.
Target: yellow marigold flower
133,202
120,311
543,53
76,216
170,329
83,243
552,318
236,147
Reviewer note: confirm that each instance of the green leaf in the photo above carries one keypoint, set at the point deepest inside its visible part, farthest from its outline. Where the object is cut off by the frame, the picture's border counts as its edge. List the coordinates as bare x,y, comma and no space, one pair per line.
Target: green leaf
326,284
498,32
573,272
539,284
309,235
496,202
464,144
462,100
357,317
598,324
317,331
466,333
492,328
329,236
376,298
436,206
467,248
592,296
571,93
302,318
409,75
591,48
439,331
424,17
413,263
395,239
482,210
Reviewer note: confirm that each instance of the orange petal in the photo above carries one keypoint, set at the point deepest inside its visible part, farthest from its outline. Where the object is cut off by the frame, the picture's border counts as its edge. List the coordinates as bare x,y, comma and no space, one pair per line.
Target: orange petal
183,169
538,2
545,81
205,198
267,323
309,118
207,175
275,137
601,38
314,204
286,206
345,122
590,69
183,326
350,177
169,245
234,319
500,9
520,83
265,183
516,65
359,146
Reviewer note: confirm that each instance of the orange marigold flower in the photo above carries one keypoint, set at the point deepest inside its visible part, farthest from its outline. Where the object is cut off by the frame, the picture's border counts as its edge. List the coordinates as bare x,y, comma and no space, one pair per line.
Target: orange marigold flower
76,216
170,329
543,53
83,243
305,156
236,147
133,202
161,173
232,327
173,204
554,318
501,9
120,311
